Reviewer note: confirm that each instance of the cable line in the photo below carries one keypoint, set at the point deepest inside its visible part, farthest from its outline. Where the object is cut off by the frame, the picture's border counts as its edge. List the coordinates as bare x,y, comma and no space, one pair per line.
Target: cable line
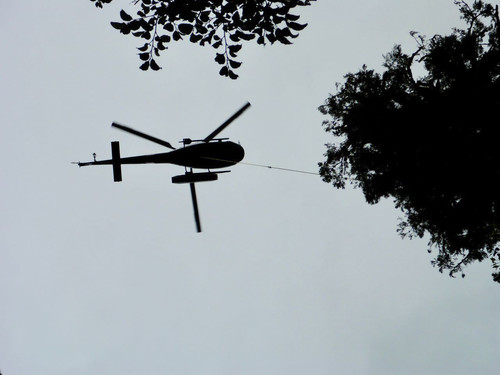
267,166
280,168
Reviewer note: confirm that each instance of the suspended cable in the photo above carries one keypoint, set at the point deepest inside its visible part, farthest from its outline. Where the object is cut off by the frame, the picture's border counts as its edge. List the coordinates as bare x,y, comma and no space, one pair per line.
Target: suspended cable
280,168
267,166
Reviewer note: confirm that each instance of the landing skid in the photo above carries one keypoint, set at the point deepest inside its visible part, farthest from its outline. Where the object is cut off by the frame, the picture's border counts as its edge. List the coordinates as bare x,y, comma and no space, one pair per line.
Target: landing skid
190,178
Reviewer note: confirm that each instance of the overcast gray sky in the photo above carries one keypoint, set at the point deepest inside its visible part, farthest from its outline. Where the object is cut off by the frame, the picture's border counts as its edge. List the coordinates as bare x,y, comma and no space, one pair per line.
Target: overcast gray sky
289,277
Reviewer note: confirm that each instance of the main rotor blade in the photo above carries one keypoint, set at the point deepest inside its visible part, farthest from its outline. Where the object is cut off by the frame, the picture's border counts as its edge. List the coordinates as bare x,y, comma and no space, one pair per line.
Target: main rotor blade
195,207
142,135
227,122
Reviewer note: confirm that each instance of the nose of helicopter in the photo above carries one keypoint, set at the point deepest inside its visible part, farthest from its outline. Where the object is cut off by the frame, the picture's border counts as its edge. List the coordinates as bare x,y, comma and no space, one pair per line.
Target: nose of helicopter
239,153
225,154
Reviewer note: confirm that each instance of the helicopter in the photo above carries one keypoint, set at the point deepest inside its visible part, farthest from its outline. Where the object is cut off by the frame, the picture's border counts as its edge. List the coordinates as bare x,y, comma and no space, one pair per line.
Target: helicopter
208,153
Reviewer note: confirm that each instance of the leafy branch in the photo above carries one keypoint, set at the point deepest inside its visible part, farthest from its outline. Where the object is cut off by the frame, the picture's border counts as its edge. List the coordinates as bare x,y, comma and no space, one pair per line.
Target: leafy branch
415,140
223,24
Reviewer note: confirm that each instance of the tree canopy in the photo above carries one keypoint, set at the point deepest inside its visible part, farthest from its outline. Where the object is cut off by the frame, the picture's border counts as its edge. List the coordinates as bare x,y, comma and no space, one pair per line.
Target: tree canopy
223,24
430,143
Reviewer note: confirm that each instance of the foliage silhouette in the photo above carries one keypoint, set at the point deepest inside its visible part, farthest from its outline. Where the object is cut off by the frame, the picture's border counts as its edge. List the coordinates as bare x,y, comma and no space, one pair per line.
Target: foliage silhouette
430,143
223,24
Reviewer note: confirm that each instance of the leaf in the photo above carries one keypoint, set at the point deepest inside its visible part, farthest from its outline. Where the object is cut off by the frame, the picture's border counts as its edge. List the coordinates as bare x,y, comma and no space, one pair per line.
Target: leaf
233,75
292,17
144,66
124,16
165,38
144,48
144,56
201,29
245,36
125,29
117,25
147,26
224,71
205,16
284,32
195,38
220,58
154,65
234,64
271,38
134,25
185,28
283,39
236,19
208,38
235,48
282,10
296,26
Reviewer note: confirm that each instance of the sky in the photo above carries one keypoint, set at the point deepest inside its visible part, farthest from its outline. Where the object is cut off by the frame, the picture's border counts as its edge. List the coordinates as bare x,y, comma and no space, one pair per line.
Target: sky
289,276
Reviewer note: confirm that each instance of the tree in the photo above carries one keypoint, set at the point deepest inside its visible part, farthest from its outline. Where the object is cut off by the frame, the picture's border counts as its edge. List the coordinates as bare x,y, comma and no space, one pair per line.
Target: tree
223,24
430,143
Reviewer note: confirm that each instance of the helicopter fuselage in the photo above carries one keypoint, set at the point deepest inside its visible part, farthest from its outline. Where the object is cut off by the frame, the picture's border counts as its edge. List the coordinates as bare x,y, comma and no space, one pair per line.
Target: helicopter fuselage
205,155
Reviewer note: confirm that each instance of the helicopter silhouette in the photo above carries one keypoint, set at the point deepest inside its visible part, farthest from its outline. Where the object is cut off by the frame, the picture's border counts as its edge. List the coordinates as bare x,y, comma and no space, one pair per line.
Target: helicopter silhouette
208,153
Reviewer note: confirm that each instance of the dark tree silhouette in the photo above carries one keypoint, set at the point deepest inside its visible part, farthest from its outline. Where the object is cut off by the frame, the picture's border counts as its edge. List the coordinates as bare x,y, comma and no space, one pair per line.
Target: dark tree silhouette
223,24
430,143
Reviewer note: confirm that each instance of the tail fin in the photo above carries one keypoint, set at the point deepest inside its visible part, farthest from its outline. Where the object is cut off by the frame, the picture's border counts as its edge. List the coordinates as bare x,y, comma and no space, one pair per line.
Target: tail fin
117,166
